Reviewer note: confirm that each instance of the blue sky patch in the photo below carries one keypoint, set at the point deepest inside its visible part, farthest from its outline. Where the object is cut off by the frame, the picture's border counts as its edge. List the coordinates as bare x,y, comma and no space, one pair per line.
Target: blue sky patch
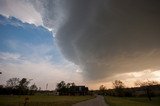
28,40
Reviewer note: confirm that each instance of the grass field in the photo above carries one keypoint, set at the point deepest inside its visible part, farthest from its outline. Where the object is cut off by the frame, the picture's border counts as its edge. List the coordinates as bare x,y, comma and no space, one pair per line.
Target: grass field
41,100
132,101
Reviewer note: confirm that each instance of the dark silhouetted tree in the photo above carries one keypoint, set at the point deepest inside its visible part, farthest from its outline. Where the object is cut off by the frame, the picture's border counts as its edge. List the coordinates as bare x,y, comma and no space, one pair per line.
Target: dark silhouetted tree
102,90
68,85
61,87
17,86
13,83
119,87
65,88
23,86
23,83
72,84
33,88
147,87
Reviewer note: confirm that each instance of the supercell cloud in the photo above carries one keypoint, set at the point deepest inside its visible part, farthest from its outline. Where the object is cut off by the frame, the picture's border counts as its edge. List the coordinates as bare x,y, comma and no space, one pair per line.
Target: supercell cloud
105,37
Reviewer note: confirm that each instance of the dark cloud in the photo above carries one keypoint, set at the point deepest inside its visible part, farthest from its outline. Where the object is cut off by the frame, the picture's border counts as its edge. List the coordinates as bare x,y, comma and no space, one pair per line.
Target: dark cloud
106,37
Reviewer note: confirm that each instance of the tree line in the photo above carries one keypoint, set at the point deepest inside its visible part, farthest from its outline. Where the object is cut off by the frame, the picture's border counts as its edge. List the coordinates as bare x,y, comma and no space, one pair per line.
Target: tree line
17,86
120,90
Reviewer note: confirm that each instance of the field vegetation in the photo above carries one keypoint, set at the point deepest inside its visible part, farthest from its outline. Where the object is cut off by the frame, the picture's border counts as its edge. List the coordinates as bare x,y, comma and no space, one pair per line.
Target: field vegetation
132,101
41,100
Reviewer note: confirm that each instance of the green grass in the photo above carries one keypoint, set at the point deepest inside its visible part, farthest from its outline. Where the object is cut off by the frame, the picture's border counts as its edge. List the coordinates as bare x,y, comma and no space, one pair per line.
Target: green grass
132,101
41,100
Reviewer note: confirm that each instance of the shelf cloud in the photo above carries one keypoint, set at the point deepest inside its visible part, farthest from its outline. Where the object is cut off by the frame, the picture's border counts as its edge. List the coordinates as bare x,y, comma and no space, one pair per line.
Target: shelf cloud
105,37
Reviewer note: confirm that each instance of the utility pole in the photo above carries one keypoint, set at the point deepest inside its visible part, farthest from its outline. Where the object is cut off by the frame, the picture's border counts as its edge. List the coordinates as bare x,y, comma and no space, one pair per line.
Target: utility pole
46,86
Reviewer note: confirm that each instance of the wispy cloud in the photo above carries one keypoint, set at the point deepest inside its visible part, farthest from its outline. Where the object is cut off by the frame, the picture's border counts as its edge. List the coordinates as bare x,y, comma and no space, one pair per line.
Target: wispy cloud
9,56
41,72
22,10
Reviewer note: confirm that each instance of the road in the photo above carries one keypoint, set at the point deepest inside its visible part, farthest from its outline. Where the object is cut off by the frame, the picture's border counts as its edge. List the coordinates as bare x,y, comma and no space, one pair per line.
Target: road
98,101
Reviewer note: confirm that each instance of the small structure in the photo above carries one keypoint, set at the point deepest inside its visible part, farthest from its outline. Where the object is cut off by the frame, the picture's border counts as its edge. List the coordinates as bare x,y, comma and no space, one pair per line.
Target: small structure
73,90
142,91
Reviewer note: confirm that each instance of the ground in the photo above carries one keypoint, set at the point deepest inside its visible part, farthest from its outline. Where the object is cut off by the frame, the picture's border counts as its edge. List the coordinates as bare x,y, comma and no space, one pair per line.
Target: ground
132,101
41,100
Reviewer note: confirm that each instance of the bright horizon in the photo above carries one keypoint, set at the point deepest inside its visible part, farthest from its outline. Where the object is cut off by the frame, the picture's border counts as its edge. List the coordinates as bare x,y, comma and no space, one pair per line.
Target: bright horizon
88,43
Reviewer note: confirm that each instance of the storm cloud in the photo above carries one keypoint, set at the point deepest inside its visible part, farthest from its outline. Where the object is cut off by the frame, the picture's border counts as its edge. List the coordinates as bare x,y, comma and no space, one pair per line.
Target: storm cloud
105,37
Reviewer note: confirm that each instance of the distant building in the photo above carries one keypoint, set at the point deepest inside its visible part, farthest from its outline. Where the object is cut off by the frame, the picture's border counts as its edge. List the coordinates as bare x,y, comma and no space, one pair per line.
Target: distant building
78,90
46,92
74,90
141,91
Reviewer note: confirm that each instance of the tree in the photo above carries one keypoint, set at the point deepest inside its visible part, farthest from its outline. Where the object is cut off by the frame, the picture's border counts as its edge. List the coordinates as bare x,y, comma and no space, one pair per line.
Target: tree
13,83
17,86
68,85
119,87
64,88
23,83
118,84
23,86
73,84
33,89
61,87
147,87
102,89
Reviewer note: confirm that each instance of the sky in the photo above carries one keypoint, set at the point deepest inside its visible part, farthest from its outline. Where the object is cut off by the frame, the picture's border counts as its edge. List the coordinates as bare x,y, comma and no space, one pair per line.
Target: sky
87,42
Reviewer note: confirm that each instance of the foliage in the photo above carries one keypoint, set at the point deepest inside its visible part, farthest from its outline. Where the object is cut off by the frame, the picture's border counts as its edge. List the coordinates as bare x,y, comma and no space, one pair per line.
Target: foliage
102,90
118,84
23,86
119,87
62,87
17,87
146,83
23,83
71,89
33,89
13,83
